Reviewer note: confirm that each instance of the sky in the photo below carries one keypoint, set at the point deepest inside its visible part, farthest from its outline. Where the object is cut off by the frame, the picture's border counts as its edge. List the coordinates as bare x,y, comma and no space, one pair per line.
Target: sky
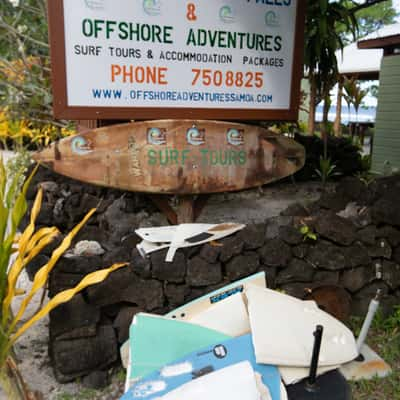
396,4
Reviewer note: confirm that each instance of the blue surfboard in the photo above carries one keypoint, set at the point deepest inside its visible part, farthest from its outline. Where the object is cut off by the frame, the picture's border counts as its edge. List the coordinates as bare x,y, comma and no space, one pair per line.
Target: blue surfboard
157,341
202,362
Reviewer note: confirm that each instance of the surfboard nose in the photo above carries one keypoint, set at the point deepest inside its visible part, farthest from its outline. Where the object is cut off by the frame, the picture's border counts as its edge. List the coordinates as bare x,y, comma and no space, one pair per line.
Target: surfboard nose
44,156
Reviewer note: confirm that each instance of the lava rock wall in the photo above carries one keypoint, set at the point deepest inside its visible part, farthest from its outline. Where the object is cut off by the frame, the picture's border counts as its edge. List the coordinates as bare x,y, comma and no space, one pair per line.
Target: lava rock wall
356,250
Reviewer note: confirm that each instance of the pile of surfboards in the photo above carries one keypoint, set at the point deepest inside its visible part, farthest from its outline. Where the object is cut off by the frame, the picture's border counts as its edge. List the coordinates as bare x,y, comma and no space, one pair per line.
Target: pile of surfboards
243,342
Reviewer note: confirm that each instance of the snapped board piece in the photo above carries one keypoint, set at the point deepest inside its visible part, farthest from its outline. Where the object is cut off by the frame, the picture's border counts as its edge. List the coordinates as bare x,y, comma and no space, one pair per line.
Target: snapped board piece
156,341
181,236
236,382
204,361
203,303
282,328
228,316
370,367
214,310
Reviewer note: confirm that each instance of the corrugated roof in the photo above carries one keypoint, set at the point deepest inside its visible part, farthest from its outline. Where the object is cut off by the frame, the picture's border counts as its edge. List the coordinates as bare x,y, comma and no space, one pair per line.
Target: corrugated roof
388,30
365,61
354,60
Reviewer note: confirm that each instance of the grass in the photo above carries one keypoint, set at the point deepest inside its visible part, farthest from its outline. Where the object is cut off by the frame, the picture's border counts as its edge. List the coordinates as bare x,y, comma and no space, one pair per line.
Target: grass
384,338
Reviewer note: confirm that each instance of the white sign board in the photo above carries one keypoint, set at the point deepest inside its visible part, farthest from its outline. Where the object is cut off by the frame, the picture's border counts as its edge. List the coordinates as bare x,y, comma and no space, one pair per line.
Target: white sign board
152,54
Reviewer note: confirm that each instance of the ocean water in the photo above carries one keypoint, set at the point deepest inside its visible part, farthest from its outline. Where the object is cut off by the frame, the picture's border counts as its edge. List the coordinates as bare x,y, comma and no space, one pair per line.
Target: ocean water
363,115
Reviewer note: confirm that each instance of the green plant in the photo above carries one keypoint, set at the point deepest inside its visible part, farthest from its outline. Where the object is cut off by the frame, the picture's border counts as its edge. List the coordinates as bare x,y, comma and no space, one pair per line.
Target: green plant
27,246
326,169
308,233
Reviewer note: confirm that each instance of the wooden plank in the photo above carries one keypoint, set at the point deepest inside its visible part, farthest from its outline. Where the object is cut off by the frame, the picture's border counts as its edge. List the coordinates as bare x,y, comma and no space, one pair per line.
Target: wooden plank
185,209
161,202
176,157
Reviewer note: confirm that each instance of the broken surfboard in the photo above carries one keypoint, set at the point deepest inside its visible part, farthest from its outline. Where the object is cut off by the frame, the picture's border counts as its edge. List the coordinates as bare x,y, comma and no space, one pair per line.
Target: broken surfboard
202,362
176,156
157,341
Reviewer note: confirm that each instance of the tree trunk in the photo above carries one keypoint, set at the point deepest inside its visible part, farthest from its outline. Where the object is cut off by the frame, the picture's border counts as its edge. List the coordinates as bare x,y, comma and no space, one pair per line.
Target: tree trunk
337,126
324,128
313,96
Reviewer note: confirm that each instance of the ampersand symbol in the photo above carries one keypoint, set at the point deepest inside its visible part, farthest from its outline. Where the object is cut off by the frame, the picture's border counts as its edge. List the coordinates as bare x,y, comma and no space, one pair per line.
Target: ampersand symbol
191,12
149,54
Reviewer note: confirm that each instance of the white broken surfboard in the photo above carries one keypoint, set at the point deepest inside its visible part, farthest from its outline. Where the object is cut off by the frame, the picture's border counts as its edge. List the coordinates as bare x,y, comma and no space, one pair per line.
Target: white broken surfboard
282,328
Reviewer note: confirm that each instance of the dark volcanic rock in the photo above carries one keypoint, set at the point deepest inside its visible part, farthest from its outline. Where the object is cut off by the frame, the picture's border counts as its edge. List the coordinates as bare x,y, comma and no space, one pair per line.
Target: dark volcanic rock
296,210
45,216
110,291
370,290
335,228
147,294
74,319
351,189
168,271
210,253
253,236
396,255
391,274
327,256
391,234
270,276
275,253
356,278
322,277
290,235
35,265
301,250
141,266
357,255
176,294
123,321
232,246
359,306
273,225
297,271
96,380
386,209
91,232
243,265
381,249
333,201
72,209
202,273
79,264
60,281
78,357
117,255
368,235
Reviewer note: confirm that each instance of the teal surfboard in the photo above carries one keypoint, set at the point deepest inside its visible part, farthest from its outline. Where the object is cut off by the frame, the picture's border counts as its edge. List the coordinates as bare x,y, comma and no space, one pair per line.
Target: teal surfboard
201,362
157,341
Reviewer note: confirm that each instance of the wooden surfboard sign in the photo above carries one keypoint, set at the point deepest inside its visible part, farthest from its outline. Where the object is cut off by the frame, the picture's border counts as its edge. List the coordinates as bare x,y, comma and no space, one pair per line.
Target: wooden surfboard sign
176,156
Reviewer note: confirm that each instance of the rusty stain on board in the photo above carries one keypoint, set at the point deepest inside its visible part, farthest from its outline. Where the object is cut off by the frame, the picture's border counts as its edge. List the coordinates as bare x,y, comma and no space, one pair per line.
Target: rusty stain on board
176,156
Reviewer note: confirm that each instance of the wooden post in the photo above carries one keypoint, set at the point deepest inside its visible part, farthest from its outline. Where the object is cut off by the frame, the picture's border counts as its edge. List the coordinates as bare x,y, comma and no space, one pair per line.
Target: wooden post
186,209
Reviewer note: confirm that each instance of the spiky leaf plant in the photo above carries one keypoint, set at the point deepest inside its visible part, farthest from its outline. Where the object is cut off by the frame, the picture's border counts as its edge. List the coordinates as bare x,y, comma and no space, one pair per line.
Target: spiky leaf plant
29,244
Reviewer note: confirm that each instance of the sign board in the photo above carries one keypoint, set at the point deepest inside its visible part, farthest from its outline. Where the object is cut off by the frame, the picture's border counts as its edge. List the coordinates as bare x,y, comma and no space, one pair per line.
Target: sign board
141,59
176,156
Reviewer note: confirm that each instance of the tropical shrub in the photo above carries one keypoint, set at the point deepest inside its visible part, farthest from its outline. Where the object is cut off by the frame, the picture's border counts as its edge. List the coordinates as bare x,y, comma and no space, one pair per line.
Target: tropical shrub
19,134
28,245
